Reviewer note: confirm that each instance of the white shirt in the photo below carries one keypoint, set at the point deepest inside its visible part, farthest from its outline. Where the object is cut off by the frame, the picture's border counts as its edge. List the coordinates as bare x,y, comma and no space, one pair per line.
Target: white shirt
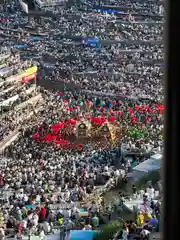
42,235
30,216
19,212
21,190
67,213
46,227
51,187
125,235
144,232
151,192
25,198
2,234
147,194
75,210
66,195
20,195
141,192
106,168
117,173
93,208
34,221
24,223
38,198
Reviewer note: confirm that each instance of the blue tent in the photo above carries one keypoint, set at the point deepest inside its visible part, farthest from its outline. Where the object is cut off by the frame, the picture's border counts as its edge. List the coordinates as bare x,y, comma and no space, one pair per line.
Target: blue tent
82,234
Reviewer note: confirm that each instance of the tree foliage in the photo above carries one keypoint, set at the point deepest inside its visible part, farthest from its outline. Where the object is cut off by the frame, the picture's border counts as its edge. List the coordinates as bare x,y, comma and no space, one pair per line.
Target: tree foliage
109,230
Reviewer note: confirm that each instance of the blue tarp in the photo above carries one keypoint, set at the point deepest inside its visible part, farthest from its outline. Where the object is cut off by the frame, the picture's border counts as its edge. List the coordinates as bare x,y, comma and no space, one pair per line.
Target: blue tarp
36,38
109,11
92,42
20,45
82,234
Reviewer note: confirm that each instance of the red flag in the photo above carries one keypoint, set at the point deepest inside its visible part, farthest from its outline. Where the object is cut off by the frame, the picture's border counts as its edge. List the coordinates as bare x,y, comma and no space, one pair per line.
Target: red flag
70,109
130,110
111,119
56,127
151,110
36,136
137,107
65,102
148,119
71,122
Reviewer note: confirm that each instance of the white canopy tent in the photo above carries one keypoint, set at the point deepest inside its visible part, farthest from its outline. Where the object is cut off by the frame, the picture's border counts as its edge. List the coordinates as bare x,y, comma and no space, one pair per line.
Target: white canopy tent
153,163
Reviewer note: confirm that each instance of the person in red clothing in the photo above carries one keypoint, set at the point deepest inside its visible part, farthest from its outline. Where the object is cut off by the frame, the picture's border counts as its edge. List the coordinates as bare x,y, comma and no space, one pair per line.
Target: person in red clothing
1,180
19,227
42,214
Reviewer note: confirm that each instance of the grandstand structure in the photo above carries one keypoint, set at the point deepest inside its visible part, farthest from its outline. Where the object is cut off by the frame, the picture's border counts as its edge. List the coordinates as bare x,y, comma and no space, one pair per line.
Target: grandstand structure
48,3
20,99
33,7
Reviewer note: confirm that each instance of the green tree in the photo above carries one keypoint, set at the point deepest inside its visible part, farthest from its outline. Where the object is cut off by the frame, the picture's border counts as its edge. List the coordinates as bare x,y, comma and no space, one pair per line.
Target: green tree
109,230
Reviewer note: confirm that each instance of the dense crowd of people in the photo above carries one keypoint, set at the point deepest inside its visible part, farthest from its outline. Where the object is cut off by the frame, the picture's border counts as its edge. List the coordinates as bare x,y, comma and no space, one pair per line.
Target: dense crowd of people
65,174
14,98
49,170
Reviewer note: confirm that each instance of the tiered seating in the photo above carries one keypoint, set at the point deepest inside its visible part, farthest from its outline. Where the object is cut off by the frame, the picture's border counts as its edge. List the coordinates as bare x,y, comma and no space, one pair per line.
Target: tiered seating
18,101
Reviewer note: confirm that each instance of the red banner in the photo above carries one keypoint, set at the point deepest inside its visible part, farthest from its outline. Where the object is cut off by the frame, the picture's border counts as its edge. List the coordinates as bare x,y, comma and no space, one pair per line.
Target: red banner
29,78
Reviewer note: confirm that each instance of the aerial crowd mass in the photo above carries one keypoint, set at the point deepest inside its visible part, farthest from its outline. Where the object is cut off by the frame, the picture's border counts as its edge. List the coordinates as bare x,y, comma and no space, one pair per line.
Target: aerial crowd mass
80,91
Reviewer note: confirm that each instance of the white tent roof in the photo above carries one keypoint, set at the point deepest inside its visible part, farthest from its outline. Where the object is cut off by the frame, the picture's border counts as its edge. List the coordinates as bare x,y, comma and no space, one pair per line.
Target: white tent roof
157,156
153,163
